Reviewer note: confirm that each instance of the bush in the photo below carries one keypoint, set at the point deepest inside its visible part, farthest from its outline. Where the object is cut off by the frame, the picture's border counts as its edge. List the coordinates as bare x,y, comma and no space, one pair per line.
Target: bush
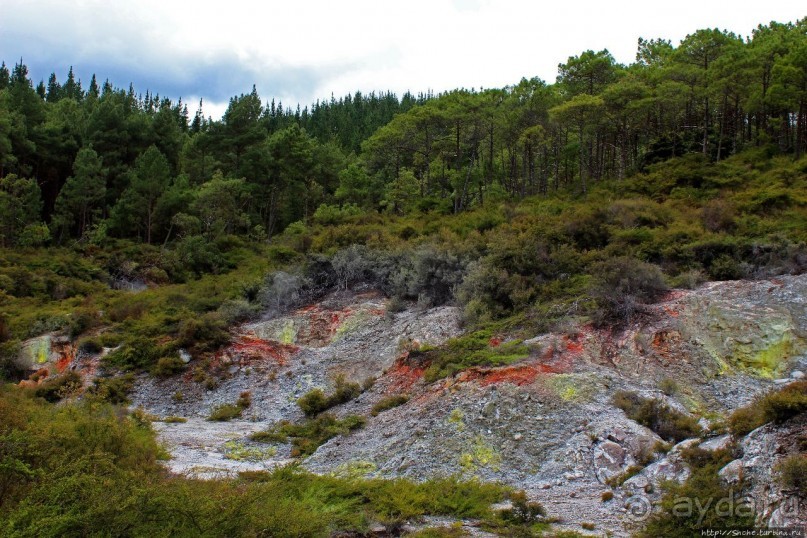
90,346
792,473
744,420
315,401
311,434
668,423
168,366
786,403
63,386
388,403
225,412
777,406
114,390
523,511
623,287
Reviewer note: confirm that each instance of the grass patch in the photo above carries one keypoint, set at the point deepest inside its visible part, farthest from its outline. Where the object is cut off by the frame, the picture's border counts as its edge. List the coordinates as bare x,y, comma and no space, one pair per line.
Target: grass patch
776,406
51,452
311,434
668,423
315,401
479,348
388,403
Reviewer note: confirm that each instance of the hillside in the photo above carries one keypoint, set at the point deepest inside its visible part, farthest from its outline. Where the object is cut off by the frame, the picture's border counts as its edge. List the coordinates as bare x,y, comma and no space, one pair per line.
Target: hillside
541,310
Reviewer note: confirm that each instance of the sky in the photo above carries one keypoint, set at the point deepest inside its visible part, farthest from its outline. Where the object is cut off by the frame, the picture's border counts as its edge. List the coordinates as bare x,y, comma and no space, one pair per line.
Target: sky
305,50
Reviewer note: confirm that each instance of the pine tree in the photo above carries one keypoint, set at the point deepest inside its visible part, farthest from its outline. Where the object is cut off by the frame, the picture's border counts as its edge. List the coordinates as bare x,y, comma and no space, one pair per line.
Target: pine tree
82,197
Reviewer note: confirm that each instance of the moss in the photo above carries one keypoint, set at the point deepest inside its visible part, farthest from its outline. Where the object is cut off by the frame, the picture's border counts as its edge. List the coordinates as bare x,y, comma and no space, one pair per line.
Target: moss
237,451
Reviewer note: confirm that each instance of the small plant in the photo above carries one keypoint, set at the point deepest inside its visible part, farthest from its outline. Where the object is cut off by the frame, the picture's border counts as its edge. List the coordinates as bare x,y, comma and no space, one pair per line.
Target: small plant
792,473
523,511
607,496
315,401
59,387
778,406
312,433
225,412
388,403
668,386
114,390
178,397
668,423
588,526
617,480
174,420
168,366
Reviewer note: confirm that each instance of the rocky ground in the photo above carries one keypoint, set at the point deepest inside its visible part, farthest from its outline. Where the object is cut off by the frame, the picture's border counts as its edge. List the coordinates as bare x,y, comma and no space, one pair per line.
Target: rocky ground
545,424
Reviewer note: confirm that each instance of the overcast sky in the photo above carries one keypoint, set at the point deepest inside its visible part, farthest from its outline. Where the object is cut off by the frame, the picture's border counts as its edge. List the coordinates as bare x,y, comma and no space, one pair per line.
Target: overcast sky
304,50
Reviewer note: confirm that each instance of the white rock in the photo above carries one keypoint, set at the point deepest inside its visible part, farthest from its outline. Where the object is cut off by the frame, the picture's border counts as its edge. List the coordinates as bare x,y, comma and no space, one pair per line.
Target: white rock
797,374
732,472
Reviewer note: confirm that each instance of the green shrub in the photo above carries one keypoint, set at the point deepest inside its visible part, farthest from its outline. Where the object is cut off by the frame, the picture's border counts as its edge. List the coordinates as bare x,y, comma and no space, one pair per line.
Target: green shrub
668,423
622,288
686,509
90,346
785,403
313,402
56,388
225,412
168,366
792,473
744,420
311,434
388,403
114,390
478,348
523,510
776,406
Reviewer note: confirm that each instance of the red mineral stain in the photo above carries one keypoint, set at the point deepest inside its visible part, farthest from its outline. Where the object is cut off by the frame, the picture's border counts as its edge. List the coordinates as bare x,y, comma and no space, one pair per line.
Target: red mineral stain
403,376
251,349
671,312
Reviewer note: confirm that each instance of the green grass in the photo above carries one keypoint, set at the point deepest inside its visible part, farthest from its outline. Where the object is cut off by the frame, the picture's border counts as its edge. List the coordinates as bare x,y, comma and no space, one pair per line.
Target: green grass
88,469
311,434
474,349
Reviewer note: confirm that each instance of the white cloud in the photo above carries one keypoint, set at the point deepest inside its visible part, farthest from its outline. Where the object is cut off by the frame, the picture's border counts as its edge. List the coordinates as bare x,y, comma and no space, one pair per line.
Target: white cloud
308,49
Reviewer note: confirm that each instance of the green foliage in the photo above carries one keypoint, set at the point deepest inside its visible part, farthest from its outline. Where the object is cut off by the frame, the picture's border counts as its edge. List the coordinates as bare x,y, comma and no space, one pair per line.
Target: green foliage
89,469
311,434
785,403
668,423
113,390
701,501
168,366
315,401
623,286
20,207
479,348
59,387
792,472
387,403
776,406
227,411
